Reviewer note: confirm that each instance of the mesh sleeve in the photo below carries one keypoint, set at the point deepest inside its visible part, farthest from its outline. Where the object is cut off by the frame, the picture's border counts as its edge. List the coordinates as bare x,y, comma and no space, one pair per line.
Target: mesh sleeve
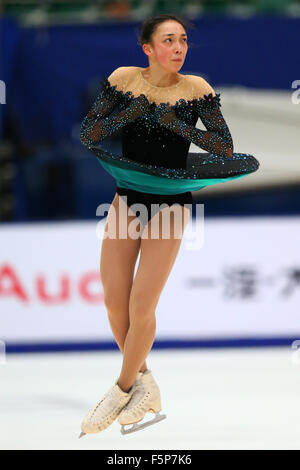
100,122
217,139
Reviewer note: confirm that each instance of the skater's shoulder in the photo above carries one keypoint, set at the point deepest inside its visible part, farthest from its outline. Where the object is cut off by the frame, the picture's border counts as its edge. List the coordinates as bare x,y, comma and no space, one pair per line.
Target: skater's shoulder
121,76
199,86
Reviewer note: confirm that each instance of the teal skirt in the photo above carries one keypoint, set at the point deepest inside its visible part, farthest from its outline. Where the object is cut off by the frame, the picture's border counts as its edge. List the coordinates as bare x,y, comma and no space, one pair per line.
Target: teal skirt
202,169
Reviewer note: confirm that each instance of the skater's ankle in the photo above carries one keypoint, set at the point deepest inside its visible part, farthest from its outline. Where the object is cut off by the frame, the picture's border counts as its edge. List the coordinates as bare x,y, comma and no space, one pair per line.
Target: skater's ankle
125,389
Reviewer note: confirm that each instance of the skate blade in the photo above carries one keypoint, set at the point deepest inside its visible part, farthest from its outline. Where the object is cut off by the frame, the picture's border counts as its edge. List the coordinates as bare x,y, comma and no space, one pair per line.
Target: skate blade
81,434
136,427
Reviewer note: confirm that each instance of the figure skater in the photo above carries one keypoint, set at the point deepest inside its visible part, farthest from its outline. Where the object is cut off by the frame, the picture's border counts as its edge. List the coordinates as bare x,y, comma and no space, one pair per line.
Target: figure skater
160,108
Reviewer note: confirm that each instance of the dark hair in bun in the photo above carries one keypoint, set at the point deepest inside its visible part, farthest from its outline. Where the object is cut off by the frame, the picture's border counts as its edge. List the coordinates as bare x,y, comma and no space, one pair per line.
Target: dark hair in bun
149,26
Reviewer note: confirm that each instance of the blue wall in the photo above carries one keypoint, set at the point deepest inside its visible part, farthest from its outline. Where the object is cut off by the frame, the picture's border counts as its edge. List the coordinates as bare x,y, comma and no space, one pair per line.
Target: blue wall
10,35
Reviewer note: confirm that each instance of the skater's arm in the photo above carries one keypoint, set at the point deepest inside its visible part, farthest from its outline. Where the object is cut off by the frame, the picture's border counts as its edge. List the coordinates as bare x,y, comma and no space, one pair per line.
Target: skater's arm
99,123
217,139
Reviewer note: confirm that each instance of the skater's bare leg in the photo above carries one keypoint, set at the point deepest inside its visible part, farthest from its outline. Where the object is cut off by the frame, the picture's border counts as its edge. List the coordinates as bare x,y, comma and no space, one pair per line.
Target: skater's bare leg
156,261
117,262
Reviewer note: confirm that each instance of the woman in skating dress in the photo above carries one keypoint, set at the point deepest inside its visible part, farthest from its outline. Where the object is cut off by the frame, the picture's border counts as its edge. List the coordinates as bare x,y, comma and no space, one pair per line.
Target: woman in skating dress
157,109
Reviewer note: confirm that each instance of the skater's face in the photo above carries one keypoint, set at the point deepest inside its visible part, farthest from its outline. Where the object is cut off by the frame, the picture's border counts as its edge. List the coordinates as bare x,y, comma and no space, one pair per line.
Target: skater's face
169,42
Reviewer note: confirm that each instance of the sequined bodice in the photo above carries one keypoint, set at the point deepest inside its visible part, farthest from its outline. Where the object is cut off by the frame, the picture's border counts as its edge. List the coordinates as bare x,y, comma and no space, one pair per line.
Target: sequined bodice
157,123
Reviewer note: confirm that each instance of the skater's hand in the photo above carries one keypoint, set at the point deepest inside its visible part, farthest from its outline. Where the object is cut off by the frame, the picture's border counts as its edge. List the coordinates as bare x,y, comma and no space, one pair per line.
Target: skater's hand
140,106
164,114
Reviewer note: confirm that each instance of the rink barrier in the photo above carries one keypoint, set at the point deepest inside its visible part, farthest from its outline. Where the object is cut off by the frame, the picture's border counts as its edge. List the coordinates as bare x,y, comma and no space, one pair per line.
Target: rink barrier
12,348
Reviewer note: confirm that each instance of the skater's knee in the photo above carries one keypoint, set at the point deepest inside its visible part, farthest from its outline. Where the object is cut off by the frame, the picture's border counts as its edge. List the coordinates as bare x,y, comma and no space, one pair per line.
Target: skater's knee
115,303
141,309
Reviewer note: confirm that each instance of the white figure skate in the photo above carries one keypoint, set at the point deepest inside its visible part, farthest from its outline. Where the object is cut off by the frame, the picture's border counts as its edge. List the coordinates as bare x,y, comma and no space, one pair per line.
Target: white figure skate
106,410
145,398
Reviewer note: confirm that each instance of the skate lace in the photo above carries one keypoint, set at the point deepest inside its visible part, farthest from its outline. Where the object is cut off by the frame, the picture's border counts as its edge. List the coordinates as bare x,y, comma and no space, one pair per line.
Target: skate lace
108,403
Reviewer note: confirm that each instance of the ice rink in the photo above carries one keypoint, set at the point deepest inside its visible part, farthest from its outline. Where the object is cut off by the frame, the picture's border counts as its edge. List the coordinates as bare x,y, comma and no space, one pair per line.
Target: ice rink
229,398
